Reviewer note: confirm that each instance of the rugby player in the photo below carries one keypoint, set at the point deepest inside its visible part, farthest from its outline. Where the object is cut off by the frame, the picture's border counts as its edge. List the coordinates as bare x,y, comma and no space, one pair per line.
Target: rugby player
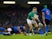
46,17
32,19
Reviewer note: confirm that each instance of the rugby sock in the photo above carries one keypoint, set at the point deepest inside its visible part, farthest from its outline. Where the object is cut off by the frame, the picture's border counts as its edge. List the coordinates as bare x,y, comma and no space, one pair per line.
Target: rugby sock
41,32
30,31
46,28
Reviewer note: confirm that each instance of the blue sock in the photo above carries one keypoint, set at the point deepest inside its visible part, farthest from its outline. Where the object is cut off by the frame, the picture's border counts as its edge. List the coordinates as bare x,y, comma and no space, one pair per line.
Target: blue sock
46,28
41,31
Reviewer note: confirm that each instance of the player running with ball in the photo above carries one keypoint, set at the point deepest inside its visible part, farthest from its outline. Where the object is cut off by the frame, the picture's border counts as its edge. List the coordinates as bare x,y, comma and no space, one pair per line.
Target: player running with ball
32,19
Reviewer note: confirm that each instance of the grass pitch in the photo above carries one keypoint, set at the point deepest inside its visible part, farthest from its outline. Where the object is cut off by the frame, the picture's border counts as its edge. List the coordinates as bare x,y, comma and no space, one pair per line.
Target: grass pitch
21,36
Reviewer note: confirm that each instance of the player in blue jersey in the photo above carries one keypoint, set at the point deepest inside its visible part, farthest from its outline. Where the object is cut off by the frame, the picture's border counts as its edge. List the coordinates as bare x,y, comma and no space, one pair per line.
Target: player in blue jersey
46,17
20,29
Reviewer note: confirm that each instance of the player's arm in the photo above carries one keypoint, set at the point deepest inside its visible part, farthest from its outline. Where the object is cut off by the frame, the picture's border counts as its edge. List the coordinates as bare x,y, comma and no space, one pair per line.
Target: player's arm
43,18
33,18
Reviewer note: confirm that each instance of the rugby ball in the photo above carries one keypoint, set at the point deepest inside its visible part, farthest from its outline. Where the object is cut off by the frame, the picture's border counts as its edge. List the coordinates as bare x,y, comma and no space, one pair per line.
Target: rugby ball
35,16
40,25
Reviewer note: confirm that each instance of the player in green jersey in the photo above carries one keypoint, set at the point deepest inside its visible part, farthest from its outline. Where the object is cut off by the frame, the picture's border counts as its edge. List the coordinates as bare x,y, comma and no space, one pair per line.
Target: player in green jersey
31,19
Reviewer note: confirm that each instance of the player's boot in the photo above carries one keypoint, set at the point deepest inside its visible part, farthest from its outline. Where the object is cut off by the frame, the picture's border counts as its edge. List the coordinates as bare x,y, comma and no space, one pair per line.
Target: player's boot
30,34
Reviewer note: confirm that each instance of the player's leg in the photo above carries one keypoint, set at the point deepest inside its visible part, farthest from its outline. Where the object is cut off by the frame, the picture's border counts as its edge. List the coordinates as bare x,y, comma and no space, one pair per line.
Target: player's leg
29,22
46,27
36,26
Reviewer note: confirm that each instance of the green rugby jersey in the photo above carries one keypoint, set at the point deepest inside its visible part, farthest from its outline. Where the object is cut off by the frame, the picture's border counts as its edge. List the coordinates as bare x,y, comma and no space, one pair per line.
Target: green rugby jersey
31,14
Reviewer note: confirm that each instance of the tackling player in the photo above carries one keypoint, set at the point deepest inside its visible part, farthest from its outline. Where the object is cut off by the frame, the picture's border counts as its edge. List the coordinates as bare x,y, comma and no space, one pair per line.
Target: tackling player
46,17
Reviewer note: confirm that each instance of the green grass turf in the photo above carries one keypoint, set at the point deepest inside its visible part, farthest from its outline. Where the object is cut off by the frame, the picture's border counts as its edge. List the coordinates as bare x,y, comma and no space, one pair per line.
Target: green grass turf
21,36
